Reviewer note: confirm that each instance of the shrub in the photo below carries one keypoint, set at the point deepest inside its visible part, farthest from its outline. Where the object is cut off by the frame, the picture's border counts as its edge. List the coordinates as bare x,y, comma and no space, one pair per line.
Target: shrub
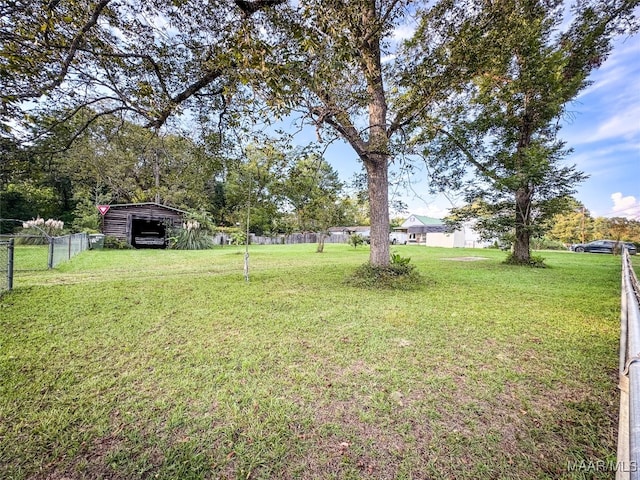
397,259
238,238
115,243
545,243
86,217
398,275
535,261
355,240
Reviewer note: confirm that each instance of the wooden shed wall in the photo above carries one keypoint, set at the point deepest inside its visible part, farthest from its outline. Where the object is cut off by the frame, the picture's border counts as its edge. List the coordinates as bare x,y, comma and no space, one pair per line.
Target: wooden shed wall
116,220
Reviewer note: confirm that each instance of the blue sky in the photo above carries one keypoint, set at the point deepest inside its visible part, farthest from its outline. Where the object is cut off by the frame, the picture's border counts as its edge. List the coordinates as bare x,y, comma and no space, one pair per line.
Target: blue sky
602,127
605,134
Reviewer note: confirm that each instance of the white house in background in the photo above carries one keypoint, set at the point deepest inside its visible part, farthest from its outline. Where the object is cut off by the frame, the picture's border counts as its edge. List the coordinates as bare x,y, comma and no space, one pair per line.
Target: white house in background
418,229
431,232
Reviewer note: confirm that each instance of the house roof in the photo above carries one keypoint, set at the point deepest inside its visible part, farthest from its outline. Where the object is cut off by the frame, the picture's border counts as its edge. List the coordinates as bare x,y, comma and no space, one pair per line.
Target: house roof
146,204
427,220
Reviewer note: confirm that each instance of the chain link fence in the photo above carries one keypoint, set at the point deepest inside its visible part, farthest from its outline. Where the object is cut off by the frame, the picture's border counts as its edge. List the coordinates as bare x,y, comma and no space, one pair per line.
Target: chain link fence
6,265
33,249
65,248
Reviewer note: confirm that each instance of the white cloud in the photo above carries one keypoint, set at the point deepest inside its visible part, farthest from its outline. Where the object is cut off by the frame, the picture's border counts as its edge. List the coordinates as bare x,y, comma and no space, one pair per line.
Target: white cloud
433,211
403,32
624,124
628,207
612,116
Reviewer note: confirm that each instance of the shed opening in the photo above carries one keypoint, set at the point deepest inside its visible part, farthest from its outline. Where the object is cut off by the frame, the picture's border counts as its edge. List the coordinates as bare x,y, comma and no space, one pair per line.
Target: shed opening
148,233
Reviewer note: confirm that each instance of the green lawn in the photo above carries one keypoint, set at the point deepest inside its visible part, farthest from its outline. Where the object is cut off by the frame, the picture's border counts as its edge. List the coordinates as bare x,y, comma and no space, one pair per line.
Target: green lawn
166,364
30,257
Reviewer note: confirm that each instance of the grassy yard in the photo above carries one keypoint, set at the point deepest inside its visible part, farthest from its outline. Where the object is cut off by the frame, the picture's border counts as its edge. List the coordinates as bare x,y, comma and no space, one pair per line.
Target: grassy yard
166,364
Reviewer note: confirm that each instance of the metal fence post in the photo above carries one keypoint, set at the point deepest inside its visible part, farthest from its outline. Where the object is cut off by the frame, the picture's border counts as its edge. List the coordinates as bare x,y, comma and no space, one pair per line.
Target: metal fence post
51,247
10,265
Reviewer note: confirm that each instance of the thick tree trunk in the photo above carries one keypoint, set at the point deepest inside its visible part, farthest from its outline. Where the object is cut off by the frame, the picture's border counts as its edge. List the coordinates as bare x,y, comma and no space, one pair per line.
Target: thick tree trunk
372,144
376,159
522,245
377,172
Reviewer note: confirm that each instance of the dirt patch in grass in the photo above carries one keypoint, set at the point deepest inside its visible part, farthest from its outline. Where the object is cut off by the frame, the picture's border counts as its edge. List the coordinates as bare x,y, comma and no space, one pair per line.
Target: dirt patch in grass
466,259
524,425
92,464
345,441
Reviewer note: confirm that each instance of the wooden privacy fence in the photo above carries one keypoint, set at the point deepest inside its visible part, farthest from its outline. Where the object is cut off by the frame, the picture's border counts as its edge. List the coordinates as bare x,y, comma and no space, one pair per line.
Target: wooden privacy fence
294,238
313,238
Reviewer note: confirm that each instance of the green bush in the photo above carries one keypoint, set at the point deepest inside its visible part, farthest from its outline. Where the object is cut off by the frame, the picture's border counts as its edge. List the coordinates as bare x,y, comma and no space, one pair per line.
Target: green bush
355,240
398,275
86,217
545,243
238,238
397,259
535,261
115,243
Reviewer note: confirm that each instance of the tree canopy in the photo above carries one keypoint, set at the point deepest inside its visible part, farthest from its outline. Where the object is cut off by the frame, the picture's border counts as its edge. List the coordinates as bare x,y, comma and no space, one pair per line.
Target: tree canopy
145,61
504,126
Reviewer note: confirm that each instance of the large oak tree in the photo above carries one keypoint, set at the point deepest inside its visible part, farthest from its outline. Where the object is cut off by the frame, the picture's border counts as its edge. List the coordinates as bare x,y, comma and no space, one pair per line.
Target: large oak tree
504,129
340,66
